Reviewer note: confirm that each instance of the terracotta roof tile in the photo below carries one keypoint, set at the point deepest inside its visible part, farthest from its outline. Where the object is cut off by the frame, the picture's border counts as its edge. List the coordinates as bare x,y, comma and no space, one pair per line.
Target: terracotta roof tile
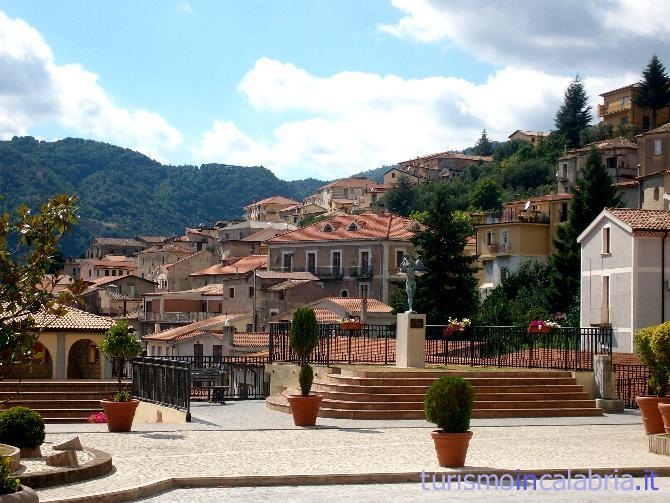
263,274
242,266
643,220
286,285
665,128
75,320
354,304
105,241
274,200
251,339
363,183
183,331
170,247
366,226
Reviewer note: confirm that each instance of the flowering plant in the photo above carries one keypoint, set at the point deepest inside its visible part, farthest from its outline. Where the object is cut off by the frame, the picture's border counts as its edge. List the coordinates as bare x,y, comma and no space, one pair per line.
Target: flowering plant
454,325
542,326
348,320
97,417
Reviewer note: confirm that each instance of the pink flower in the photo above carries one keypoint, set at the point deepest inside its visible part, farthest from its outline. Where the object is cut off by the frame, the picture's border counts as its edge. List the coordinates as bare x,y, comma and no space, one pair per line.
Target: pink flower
97,417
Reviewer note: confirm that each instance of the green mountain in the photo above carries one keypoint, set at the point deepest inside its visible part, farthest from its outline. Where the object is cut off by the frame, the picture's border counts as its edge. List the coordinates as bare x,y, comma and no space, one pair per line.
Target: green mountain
125,193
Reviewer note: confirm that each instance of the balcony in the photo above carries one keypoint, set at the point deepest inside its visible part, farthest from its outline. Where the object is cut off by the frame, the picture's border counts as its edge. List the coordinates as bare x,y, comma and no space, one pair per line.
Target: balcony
614,107
327,272
190,317
363,271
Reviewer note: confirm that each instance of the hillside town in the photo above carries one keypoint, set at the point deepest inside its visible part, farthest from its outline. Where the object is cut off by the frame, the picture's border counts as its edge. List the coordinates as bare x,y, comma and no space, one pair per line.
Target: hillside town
515,292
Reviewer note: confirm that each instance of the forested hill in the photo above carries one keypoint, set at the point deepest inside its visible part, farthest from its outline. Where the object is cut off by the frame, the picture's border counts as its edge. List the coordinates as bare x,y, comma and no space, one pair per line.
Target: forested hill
125,193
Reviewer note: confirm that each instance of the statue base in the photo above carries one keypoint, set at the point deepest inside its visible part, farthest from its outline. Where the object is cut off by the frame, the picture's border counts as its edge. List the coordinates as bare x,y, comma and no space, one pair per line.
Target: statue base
411,341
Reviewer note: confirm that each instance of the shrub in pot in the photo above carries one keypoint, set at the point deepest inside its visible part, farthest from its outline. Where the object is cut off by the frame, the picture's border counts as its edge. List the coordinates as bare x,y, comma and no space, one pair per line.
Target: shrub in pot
23,428
119,345
11,490
448,404
303,338
657,384
660,345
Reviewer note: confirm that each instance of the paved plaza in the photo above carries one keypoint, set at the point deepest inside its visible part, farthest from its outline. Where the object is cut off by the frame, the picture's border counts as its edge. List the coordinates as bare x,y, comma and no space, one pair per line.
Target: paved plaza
243,443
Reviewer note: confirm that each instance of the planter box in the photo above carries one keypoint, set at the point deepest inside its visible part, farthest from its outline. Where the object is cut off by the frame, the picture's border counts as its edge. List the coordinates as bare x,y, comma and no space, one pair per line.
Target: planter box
537,330
351,326
660,444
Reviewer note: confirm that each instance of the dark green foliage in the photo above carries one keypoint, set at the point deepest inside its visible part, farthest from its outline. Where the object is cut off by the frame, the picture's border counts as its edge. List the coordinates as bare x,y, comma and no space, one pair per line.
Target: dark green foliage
402,198
449,286
659,371
594,192
119,345
486,196
8,482
529,173
483,146
448,404
574,114
519,299
305,378
653,91
21,427
124,193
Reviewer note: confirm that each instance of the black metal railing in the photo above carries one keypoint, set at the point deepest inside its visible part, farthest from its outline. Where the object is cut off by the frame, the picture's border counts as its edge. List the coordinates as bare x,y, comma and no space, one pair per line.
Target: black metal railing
362,271
631,381
243,377
163,382
565,348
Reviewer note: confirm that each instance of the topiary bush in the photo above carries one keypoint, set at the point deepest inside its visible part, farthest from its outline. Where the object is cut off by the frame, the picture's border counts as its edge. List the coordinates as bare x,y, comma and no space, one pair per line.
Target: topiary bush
448,404
119,345
21,427
651,344
303,338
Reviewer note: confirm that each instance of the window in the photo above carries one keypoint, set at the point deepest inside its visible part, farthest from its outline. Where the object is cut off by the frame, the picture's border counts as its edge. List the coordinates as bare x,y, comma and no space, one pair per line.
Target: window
217,352
311,262
392,175
336,262
645,122
624,101
274,312
606,240
231,292
605,307
490,237
160,350
399,256
250,327
564,170
503,237
503,273
106,272
657,193
365,261
344,293
251,291
564,212
89,273
364,290
287,262
131,290
658,148
282,295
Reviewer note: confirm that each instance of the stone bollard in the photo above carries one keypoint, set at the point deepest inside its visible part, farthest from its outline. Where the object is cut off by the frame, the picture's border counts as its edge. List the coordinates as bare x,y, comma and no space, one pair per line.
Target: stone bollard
605,385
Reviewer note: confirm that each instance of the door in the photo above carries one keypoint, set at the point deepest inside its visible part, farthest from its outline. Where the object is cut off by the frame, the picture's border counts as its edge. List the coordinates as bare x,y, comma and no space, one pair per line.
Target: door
365,262
605,307
311,262
197,356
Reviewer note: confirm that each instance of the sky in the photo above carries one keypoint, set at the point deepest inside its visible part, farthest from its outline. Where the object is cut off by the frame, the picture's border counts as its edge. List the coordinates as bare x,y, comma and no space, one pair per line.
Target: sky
310,88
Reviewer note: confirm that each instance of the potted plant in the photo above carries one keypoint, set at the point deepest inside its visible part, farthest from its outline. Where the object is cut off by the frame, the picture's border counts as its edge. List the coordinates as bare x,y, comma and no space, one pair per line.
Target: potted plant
660,345
23,428
657,383
350,324
11,490
542,327
303,338
456,326
448,404
119,345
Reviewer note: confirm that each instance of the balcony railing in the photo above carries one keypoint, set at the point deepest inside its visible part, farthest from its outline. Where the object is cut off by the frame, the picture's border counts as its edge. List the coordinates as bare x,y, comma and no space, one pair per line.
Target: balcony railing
499,248
190,317
613,107
320,272
362,271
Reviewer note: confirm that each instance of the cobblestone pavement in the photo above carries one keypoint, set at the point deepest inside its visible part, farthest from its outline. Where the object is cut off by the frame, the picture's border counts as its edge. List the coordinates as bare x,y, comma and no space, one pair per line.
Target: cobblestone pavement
383,493
337,447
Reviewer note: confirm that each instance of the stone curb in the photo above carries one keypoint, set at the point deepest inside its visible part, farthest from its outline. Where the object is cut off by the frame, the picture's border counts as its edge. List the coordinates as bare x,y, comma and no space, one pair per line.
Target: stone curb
101,464
153,488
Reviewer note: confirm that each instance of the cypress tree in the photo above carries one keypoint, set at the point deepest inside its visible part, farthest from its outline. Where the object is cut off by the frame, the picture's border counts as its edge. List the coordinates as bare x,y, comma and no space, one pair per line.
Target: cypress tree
574,114
483,145
653,91
593,192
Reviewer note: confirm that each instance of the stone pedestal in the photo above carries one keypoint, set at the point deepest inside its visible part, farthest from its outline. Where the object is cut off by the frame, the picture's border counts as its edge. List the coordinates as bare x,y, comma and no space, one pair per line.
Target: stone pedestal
610,406
605,385
411,341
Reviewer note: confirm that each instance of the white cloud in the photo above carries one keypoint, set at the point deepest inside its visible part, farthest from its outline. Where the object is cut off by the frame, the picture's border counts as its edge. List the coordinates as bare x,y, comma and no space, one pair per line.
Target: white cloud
34,90
360,121
567,36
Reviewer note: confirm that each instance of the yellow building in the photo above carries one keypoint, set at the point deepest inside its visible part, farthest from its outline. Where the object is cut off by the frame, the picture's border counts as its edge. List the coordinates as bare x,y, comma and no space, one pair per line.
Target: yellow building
618,109
525,231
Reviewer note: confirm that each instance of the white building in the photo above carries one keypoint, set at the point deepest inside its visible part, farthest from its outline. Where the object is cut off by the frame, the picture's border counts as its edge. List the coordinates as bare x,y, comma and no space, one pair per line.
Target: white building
625,264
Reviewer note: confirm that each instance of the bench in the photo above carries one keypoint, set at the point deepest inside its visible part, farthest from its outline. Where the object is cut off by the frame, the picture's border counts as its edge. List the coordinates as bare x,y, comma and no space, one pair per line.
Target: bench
215,393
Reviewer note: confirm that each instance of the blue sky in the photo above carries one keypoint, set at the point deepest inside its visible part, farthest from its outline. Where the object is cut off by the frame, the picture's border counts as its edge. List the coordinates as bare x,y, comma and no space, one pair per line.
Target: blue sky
307,88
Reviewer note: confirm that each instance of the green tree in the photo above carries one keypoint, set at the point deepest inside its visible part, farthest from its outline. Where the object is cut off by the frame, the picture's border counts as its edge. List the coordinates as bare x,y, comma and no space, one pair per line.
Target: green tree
483,145
449,286
487,195
28,250
593,192
574,114
120,345
401,199
653,91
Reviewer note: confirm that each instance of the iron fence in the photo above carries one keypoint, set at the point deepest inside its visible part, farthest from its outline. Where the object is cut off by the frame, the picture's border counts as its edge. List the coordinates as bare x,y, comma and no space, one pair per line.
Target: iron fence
631,381
162,381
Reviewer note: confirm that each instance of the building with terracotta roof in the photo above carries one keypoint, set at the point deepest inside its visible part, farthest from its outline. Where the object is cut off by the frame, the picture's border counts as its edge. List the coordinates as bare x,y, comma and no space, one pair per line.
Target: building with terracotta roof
116,295
345,195
89,269
294,214
432,168
618,110
625,264
267,210
352,255
619,156
101,246
178,273
531,137
334,309
151,259
525,230
654,150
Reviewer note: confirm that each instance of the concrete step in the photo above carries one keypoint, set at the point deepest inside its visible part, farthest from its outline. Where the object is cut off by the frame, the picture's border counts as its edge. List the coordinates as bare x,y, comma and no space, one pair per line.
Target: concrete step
67,413
428,373
507,388
65,420
55,404
55,395
478,405
475,380
418,397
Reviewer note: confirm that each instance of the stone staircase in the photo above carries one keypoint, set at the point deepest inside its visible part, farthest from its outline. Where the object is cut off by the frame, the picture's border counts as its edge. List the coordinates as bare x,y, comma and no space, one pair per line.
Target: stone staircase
70,401
398,394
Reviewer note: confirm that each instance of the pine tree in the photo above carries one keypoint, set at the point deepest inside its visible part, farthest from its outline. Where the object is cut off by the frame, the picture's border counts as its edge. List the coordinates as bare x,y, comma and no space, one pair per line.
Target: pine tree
483,145
401,199
449,286
574,114
653,91
594,192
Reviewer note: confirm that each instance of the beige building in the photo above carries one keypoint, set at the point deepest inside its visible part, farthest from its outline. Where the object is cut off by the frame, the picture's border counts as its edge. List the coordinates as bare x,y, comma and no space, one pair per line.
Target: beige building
352,255
619,156
344,195
432,168
618,109
525,231
267,210
93,268
151,259
178,273
625,272
102,246
116,296
294,214
531,137
654,150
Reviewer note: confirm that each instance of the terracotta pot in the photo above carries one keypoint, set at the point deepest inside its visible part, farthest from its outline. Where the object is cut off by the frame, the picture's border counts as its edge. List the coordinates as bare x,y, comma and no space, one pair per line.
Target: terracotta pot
305,408
351,326
451,448
537,330
25,495
651,416
664,409
119,414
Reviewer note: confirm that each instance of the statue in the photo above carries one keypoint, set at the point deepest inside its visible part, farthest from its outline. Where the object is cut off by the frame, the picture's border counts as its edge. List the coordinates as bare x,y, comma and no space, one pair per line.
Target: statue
411,267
